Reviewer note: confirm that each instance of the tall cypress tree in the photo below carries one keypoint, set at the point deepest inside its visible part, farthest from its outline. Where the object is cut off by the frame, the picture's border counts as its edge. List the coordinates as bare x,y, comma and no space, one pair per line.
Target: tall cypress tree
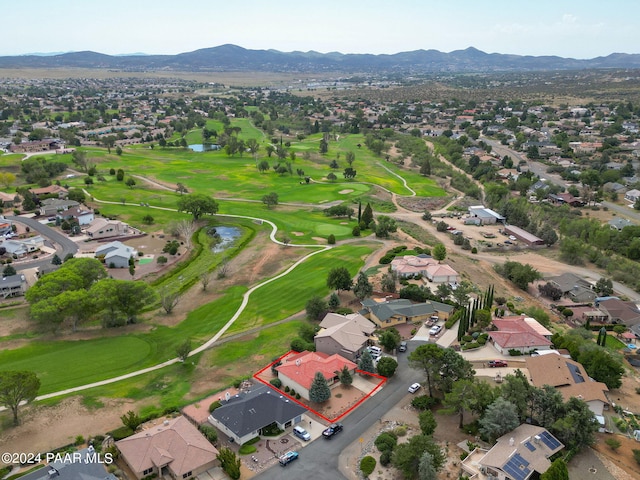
359,211
367,215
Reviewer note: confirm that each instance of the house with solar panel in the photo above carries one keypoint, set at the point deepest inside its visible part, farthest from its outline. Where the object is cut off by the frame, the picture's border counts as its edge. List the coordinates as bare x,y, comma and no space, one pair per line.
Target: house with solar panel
518,455
571,380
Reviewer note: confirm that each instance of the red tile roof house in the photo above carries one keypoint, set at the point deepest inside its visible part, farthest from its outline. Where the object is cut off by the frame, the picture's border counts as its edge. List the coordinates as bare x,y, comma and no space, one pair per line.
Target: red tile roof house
175,448
519,333
297,371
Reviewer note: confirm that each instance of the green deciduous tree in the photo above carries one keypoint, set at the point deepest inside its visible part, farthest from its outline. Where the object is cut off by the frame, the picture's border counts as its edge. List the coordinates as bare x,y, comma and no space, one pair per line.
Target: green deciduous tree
197,205
339,278
319,390
316,308
270,199
517,390
439,252
604,287
385,226
406,456
427,358
183,350
229,462
427,422
131,420
17,387
601,365
557,471
577,426
387,367
390,339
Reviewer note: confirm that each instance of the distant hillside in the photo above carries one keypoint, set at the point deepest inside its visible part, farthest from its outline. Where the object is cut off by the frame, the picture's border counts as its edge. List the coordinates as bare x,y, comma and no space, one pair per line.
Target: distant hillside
234,58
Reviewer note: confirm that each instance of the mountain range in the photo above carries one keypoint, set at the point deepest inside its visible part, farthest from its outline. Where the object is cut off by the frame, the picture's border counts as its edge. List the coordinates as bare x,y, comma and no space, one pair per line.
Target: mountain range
229,58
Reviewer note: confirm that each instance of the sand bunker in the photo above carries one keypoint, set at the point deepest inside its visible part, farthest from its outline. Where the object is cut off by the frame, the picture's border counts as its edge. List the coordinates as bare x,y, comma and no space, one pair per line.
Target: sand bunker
344,192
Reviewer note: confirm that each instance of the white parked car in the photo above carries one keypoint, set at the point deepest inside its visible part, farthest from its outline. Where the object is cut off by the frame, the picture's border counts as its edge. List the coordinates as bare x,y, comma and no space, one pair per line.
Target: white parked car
435,330
414,387
300,432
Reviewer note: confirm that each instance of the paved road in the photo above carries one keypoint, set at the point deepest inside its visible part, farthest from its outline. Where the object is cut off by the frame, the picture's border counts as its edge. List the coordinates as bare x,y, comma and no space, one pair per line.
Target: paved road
64,246
325,455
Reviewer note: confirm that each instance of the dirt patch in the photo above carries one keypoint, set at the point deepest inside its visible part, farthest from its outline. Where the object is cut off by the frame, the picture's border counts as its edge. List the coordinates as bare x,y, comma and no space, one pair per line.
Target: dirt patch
43,428
619,462
447,435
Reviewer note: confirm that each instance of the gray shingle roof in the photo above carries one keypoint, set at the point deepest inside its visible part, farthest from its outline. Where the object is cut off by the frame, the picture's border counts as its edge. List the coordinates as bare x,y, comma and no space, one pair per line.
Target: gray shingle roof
246,413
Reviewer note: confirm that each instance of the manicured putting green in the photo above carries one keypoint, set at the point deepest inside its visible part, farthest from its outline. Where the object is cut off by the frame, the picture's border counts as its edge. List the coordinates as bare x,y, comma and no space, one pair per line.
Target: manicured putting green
329,228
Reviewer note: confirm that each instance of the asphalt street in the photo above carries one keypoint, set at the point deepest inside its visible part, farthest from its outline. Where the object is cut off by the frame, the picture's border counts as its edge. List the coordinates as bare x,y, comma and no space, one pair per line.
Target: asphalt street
321,458
63,244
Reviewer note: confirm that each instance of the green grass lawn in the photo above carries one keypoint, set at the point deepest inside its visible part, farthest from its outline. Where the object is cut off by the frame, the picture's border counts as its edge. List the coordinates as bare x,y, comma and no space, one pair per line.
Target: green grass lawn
63,364
268,305
613,343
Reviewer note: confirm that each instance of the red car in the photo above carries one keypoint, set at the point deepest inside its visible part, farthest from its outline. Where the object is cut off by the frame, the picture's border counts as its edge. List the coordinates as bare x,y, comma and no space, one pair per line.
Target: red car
497,363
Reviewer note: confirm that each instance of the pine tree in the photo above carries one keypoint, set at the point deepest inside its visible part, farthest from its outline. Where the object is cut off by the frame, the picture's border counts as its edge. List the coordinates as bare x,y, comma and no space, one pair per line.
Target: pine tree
362,289
345,377
366,362
319,390
334,302
359,211
367,215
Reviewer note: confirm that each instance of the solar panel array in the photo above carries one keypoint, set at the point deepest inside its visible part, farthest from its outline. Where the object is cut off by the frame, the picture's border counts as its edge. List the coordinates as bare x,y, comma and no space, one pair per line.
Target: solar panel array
517,468
575,373
530,446
549,440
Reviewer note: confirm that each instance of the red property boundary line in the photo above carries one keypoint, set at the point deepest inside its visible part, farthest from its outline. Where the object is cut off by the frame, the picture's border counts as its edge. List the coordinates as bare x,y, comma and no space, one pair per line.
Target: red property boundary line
330,420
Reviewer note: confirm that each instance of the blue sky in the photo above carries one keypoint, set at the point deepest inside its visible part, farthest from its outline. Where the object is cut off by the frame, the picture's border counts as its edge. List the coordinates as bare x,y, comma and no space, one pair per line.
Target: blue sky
568,28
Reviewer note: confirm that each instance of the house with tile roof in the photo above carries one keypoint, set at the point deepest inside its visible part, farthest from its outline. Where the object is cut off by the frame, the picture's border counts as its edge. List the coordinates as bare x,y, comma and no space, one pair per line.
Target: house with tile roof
570,379
175,448
409,265
517,455
297,371
388,313
243,416
345,335
520,333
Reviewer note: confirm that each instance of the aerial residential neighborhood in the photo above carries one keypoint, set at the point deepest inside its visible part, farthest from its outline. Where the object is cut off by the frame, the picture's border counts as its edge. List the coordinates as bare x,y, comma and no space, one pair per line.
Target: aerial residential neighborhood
238,263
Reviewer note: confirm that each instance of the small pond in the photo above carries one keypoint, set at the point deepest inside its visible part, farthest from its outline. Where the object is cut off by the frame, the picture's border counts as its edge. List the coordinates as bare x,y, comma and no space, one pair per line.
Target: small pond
224,236
204,147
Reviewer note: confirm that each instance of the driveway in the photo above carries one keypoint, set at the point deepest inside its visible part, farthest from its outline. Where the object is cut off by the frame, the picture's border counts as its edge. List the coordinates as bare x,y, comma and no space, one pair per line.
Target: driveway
330,457
64,246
